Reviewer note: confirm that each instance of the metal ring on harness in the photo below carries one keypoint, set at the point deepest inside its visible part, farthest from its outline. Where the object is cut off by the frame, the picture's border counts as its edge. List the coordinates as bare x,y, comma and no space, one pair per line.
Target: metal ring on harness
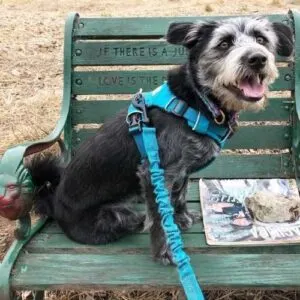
222,120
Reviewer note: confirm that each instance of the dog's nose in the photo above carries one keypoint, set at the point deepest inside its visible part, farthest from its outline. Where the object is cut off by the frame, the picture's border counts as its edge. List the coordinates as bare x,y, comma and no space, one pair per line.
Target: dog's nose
257,61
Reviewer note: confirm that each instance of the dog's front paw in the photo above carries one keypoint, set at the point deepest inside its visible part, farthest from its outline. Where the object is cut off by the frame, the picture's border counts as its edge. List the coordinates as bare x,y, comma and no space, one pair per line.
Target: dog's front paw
195,215
164,256
187,219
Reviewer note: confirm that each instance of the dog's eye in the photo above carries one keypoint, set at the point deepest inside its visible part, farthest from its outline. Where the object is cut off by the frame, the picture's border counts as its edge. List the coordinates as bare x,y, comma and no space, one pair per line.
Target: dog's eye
224,45
261,40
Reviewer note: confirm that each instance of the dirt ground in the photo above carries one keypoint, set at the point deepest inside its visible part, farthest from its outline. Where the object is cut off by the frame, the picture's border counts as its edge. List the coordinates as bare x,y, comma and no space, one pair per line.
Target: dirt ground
31,69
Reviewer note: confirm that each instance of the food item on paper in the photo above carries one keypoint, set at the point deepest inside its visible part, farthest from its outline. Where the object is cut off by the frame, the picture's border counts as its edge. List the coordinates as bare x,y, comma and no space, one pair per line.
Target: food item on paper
269,208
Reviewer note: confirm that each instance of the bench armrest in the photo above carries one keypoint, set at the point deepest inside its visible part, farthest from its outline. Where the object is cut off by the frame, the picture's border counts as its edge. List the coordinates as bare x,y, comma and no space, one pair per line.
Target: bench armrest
15,182
16,187
296,19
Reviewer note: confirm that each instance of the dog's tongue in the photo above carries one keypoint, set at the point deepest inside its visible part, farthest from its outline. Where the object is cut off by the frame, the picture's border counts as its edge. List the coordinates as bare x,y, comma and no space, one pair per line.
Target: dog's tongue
252,89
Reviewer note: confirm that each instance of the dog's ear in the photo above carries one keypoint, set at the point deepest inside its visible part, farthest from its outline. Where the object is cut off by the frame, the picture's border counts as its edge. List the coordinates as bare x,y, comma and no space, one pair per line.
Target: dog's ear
285,44
187,33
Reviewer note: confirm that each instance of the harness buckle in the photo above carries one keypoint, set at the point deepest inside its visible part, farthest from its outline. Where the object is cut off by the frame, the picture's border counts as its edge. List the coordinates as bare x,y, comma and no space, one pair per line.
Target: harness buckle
179,109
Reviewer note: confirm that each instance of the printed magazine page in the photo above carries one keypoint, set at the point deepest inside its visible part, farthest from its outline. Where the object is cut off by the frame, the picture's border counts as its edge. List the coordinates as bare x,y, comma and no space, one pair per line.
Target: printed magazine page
250,211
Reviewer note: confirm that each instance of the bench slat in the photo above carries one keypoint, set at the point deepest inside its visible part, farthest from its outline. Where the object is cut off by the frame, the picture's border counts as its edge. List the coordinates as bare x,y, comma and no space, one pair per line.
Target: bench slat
111,28
89,112
249,166
128,82
61,271
247,137
193,191
155,52
56,242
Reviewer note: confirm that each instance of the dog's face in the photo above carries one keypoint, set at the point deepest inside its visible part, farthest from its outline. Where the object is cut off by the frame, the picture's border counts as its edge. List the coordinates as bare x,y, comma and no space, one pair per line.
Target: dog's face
235,58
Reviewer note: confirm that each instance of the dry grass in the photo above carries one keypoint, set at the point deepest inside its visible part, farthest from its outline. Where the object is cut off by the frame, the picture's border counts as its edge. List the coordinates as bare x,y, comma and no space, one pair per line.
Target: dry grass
171,294
31,51
209,8
31,84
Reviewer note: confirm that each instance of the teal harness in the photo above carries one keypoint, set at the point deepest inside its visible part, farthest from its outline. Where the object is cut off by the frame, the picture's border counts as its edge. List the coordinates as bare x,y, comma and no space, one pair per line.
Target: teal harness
145,138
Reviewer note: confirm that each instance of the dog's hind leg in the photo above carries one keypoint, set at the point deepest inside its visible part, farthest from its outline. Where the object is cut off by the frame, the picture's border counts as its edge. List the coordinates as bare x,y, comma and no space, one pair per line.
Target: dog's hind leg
108,224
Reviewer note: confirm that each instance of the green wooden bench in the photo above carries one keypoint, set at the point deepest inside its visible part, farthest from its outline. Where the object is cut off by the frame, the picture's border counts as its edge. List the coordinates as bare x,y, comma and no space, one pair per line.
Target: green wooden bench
43,258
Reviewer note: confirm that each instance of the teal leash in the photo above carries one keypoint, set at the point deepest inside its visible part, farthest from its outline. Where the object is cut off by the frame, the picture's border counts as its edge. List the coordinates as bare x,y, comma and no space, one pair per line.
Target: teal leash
146,141
186,273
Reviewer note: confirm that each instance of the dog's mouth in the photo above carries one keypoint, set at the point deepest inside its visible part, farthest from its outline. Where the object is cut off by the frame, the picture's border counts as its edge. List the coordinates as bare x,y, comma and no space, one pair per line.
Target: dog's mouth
249,88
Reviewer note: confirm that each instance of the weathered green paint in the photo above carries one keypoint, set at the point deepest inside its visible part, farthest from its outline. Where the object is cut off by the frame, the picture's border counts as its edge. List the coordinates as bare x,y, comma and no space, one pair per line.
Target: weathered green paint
296,115
51,242
157,52
213,270
247,137
249,166
93,111
10,258
193,194
128,82
135,28
67,93
57,242
296,19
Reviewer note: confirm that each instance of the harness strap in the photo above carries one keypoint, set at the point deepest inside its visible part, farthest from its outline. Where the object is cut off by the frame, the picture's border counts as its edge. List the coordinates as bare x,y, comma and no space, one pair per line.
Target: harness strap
198,121
186,274
163,98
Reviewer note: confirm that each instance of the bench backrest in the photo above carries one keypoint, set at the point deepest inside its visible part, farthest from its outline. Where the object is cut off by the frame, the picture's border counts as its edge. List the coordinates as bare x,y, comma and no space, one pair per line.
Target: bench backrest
110,59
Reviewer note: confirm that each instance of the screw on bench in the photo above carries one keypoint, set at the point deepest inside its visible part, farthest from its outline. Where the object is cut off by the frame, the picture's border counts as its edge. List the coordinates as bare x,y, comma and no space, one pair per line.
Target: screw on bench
287,77
78,52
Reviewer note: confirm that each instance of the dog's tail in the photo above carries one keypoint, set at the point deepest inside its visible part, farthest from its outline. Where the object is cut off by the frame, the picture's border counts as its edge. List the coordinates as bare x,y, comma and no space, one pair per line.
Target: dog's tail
46,171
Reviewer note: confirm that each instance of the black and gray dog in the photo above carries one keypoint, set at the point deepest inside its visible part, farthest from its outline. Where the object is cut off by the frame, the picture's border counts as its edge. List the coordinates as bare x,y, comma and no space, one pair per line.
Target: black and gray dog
91,198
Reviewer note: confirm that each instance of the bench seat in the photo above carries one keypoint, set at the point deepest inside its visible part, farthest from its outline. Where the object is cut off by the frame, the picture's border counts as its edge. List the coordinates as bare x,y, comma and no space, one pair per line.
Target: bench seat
52,261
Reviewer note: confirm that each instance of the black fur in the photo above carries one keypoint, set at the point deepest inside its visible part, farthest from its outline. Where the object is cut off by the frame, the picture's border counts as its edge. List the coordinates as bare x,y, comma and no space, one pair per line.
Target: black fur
178,33
45,171
285,46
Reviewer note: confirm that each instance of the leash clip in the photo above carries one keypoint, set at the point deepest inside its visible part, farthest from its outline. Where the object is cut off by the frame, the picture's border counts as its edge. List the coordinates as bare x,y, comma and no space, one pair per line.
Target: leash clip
138,102
136,119
135,122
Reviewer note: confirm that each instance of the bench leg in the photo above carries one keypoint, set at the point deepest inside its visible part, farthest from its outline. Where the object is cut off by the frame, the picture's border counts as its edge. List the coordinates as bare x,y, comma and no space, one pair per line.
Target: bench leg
181,295
38,295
